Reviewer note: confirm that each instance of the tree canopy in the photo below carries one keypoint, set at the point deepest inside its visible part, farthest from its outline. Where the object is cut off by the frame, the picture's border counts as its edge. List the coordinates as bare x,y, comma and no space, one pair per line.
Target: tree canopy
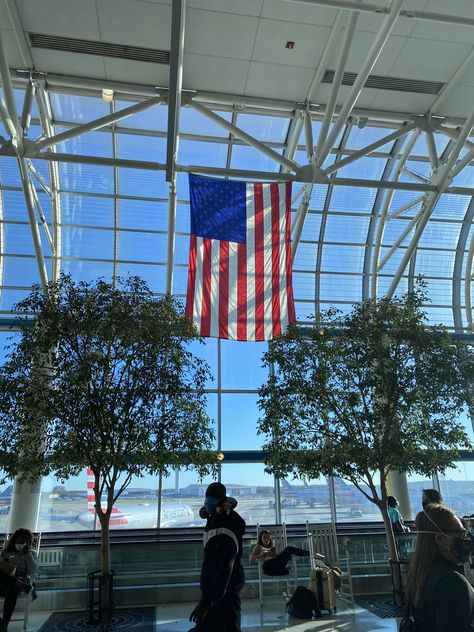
374,391
103,377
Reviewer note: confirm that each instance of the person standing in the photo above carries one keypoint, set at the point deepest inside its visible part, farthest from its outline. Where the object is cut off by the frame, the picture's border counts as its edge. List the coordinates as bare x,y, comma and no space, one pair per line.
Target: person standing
430,496
440,597
222,574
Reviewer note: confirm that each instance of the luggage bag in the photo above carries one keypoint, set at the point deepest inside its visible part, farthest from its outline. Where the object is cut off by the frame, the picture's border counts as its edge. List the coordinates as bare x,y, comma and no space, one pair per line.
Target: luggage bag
322,585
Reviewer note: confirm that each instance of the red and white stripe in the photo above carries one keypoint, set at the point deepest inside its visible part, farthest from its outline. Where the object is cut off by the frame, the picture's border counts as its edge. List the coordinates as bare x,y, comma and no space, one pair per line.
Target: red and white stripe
244,291
117,517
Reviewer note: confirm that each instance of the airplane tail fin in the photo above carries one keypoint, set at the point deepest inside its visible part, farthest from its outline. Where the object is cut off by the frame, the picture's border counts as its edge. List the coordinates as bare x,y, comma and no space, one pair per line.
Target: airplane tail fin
90,491
287,489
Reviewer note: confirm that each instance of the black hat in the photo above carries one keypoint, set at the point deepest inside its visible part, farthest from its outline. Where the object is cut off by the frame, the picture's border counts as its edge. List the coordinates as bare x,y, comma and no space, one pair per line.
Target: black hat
216,490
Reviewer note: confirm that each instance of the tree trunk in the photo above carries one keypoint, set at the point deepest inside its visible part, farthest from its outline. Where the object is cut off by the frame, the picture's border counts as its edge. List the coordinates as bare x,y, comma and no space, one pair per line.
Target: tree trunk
397,585
105,580
392,545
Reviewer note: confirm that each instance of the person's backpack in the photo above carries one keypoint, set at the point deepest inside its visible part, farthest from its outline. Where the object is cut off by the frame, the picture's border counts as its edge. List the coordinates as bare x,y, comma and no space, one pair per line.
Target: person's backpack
302,604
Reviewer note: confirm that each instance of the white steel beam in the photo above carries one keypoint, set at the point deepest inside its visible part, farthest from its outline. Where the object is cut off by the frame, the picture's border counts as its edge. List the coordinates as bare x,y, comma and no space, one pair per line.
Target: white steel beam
431,149
401,237
365,151
379,199
178,22
7,119
45,186
441,179
386,206
244,136
308,133
23,167
405,207
171,235
97,124
463,162
333,38
213,99
30,206
458,267
8,91
368,7
336,84
414,175
44,223
303,174
293,136
453,81
27,103
468,284
19,33
46,118
299,221
372,56
454,135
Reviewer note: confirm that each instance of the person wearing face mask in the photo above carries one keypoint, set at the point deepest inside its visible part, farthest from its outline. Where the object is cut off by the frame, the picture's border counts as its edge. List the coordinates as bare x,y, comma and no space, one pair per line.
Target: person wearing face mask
440,597
18,552
222,574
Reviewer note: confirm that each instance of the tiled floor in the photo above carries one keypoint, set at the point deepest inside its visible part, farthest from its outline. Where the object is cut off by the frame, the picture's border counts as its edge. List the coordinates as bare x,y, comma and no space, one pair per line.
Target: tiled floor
174,618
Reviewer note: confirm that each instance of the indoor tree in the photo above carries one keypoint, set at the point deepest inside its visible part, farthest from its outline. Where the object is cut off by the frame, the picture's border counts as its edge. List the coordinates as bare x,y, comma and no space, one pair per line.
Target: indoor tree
361,394
103,377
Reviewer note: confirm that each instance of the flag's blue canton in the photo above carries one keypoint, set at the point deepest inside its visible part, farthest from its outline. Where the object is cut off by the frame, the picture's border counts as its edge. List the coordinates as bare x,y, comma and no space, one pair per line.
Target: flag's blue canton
218,208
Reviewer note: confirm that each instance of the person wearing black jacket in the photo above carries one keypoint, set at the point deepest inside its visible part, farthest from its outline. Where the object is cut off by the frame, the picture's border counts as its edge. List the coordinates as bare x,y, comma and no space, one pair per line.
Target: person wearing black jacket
440,597
222,574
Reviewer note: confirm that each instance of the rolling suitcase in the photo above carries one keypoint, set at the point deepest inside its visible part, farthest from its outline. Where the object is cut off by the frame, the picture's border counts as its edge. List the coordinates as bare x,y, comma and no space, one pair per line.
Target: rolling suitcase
322,585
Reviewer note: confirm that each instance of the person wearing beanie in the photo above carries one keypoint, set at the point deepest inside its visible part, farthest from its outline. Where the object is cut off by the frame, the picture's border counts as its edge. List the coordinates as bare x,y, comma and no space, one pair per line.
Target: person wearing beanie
222,574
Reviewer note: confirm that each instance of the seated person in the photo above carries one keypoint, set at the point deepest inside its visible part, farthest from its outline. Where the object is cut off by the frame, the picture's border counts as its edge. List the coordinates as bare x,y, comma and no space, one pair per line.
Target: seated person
19,554
395,516
274,563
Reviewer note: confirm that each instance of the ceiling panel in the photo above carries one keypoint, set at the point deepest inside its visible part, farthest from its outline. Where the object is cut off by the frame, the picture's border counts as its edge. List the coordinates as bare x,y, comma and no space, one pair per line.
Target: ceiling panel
142,72
458,102
402,102
242,7
68,63
403,26
68,18
15,59
304,13
360,46
273,35
220,34
154,21
216,74
429,59
278,82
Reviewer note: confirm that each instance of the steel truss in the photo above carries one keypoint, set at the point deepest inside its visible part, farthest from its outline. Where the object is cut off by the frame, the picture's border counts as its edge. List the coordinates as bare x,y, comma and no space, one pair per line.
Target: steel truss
316,171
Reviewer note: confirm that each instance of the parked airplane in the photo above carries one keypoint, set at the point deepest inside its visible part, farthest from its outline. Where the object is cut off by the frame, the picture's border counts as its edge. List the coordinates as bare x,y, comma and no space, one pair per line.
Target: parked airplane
136,515
346,495
6,500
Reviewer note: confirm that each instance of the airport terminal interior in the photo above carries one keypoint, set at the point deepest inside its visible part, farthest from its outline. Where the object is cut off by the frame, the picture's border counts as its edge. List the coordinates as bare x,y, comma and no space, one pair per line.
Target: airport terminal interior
367,108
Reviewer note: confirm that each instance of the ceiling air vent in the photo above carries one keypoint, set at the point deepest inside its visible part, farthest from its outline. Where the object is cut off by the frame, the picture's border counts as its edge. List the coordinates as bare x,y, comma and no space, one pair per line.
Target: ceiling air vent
389,83
88,47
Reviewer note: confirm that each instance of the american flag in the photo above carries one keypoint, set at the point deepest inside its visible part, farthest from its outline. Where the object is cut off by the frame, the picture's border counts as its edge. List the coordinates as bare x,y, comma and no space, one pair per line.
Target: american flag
239,276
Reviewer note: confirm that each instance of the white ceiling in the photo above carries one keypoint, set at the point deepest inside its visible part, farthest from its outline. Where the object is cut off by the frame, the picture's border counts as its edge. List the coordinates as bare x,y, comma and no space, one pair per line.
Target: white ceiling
238,47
